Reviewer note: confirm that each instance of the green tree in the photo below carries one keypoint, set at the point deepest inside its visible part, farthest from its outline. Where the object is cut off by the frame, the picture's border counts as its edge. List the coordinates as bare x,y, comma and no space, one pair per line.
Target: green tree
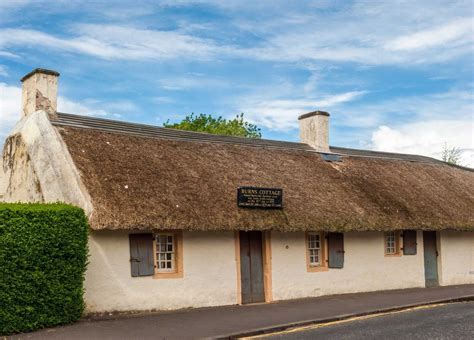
451,155
219,126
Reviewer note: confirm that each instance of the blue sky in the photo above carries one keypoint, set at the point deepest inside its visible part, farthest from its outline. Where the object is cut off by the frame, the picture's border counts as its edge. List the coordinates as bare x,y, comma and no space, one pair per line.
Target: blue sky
395,75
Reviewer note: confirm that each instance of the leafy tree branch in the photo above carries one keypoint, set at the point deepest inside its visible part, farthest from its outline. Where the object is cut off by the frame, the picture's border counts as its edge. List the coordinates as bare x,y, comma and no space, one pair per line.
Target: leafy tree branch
219,126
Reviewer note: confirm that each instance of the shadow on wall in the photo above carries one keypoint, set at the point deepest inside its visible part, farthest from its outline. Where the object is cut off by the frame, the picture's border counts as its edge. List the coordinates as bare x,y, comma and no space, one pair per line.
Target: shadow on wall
3,181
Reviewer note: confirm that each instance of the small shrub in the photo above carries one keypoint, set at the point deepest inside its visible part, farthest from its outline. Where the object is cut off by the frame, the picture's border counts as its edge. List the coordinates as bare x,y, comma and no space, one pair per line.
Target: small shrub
43,258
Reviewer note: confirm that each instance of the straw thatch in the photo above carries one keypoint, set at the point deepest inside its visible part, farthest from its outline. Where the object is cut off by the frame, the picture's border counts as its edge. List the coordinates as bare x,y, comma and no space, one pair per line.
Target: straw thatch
139,182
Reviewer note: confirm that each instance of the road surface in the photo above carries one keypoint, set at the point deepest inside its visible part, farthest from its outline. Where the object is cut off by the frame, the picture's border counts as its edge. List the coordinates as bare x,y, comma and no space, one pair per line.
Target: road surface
447,321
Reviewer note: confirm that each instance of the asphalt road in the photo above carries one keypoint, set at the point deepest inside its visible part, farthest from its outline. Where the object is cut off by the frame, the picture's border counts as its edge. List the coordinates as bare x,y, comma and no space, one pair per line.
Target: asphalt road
450,321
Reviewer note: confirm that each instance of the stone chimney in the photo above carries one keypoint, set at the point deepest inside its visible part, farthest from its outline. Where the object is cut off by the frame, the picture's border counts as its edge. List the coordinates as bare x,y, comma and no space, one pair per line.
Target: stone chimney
40,91
314,130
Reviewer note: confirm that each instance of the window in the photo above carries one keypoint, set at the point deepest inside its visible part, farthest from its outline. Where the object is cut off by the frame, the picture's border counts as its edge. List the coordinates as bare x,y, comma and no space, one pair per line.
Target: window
392,243
168,254
316,251
165,253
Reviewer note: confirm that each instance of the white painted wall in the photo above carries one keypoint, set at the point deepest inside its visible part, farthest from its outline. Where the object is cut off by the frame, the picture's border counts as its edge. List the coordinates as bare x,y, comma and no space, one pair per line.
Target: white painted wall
40,167
456,261
210,270
209,266
365,267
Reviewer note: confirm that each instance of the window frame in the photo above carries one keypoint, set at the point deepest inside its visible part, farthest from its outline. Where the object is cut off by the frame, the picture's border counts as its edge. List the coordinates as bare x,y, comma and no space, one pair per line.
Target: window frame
397,245
167,253
323,252
177,271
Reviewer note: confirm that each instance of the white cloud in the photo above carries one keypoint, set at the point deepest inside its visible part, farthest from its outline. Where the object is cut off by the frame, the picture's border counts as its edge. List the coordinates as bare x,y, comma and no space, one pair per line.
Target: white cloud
410,124
459,30
163,100
13,4
362,32
10,109
8,54
69,106
10,104
192,82
366,32
455,104
282,114
115,42
428,138
3,71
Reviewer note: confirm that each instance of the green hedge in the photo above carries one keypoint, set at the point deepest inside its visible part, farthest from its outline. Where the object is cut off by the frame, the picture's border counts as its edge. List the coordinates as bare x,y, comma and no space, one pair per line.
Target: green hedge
43,258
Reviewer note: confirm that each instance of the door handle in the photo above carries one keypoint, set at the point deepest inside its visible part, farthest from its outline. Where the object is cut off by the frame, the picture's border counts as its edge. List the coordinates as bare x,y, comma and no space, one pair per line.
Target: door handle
135,260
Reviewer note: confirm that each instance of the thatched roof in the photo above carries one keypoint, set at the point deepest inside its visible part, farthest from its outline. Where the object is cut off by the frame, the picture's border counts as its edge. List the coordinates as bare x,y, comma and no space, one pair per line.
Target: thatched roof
142,177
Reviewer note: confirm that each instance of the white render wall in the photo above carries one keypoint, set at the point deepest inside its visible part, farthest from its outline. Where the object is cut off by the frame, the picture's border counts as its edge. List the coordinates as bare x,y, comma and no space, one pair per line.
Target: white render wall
366,268
209,275
210,270
40,168
456,262
314,131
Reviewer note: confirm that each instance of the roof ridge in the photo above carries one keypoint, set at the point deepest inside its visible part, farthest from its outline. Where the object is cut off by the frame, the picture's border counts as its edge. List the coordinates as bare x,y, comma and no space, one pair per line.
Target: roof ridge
396,155
379,152
153,131
144,130
60,115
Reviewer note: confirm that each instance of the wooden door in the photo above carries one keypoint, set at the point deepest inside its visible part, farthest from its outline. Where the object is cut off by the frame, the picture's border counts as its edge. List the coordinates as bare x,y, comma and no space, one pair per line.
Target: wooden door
336,250
431,258
251,267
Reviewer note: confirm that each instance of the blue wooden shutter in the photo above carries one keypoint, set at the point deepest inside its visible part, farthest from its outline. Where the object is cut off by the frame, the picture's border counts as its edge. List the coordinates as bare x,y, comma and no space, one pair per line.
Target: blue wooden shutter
336,250
141,254
409,242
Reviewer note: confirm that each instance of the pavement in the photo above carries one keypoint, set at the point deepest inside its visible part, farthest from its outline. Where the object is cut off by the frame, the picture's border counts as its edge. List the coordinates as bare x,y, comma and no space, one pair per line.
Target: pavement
442,321
234,321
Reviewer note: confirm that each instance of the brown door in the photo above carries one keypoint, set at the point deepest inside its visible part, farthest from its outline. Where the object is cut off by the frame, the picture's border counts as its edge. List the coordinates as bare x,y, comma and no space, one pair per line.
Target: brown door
431,258
251,267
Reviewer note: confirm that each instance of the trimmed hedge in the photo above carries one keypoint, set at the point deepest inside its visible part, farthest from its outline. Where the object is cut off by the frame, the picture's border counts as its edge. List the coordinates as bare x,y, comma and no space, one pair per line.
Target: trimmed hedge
43,259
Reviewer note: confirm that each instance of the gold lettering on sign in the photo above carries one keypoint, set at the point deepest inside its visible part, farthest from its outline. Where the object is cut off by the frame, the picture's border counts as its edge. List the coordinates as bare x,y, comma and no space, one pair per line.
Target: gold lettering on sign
259,197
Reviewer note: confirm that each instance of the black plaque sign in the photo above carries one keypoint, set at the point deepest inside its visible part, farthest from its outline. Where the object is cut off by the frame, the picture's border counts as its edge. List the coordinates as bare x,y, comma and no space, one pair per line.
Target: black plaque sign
253,197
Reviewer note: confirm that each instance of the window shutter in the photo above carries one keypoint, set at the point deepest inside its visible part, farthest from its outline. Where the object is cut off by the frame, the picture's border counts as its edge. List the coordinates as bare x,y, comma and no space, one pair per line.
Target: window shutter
409,242
336,250
141,254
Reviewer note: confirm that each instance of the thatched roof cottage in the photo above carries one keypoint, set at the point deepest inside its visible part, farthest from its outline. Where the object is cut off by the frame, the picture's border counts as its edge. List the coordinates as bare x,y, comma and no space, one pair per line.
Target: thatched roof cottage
185,219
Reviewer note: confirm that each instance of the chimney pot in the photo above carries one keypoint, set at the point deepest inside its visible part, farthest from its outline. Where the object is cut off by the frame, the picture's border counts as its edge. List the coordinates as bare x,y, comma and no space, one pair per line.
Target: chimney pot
40,91
314,130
